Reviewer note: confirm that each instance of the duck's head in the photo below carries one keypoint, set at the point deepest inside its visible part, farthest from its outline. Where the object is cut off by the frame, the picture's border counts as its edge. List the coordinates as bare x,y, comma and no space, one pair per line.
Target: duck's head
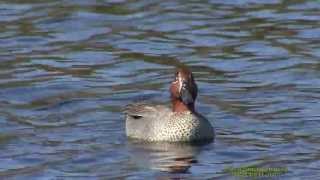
183,91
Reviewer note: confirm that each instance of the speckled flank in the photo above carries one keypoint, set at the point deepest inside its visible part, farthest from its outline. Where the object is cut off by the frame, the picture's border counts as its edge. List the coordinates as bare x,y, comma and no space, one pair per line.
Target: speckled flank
170,126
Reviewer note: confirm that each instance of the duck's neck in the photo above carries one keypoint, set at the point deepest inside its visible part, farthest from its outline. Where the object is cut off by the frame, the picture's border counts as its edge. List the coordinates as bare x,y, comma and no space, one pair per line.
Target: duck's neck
179,106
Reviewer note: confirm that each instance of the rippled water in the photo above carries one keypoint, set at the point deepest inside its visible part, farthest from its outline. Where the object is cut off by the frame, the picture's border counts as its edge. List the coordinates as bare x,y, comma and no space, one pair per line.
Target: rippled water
68,68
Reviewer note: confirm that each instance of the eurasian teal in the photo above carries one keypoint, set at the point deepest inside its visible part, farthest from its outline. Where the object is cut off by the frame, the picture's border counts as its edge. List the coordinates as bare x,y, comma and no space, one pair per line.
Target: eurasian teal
181,123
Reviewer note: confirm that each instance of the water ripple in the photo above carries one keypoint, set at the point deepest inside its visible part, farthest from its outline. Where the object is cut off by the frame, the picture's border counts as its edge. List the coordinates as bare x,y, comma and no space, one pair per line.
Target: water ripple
69,67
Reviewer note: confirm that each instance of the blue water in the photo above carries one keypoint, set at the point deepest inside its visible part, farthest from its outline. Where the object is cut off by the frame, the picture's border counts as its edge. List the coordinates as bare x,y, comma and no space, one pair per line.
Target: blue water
67,68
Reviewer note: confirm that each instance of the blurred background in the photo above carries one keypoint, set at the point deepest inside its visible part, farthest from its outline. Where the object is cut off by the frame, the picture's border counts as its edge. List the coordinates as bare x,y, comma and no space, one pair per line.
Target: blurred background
67,68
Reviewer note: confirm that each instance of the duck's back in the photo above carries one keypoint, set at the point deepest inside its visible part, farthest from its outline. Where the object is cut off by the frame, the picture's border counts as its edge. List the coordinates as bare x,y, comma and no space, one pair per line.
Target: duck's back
159,123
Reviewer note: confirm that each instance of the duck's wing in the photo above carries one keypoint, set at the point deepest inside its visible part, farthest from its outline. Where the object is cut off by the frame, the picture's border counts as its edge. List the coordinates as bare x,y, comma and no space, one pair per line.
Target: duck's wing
144,110
143,119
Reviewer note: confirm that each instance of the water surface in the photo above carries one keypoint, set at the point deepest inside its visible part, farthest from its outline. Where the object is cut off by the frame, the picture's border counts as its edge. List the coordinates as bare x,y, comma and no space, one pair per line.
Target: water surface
67,68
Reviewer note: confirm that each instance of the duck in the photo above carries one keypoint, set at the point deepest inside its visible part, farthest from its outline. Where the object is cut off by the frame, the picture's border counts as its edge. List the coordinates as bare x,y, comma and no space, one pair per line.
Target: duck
178,123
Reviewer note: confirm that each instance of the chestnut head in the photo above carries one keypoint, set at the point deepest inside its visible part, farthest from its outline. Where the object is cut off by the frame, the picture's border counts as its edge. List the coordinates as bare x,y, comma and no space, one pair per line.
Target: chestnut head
184,88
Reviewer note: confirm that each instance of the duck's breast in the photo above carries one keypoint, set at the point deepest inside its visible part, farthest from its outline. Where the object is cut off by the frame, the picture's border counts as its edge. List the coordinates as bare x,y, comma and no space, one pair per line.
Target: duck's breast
186,127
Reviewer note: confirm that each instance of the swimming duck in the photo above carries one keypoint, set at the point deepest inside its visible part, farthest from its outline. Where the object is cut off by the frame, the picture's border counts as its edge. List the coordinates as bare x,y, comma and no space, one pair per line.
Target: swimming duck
181,123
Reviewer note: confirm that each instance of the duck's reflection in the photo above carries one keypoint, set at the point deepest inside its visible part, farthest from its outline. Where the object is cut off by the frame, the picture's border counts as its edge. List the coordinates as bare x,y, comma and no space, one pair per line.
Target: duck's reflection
168,157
